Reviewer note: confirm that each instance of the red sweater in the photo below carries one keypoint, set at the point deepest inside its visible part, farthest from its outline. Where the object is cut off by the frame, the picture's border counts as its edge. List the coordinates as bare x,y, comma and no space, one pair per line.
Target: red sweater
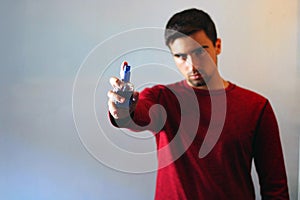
249,131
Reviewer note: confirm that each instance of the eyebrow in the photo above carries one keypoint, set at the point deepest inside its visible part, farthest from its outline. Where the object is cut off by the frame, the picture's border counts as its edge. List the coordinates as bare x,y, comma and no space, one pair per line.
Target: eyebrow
199,48
184,54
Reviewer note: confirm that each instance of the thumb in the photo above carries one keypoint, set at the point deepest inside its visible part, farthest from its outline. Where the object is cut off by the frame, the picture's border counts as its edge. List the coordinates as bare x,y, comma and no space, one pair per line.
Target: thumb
135,96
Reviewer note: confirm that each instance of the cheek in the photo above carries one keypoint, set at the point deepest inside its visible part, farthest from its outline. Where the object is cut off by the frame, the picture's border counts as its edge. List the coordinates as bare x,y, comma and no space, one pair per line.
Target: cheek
180,64
182,69
178,61
212,56
209,61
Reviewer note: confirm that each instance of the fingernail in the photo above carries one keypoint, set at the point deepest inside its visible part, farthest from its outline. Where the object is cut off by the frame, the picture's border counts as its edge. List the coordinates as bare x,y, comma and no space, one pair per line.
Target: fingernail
115,114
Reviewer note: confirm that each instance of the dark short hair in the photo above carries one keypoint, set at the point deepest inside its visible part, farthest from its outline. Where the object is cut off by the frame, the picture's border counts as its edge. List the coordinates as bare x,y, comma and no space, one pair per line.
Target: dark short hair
187,22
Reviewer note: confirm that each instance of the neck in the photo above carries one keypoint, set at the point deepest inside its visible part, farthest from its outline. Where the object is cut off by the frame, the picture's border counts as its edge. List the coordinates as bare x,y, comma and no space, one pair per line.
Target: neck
215,83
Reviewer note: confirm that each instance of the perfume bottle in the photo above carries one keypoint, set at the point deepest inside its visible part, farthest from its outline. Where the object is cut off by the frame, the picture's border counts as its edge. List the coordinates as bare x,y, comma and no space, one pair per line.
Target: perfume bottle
127,88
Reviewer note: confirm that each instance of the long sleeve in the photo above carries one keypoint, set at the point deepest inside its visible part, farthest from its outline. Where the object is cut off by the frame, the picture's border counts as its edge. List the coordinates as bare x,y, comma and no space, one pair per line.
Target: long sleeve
148,115
268,157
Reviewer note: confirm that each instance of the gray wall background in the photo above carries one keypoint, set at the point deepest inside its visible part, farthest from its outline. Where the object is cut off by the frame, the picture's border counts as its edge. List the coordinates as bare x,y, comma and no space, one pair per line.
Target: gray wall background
44,43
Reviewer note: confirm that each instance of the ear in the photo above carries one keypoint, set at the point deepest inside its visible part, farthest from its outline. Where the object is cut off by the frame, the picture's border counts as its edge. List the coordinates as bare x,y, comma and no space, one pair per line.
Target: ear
218,46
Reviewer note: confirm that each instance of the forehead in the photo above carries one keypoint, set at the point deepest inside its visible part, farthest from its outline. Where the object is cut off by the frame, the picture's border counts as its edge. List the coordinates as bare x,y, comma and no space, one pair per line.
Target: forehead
188,43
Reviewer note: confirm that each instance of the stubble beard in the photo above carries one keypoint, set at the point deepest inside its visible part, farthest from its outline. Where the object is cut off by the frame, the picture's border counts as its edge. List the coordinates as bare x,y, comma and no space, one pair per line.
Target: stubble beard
197,83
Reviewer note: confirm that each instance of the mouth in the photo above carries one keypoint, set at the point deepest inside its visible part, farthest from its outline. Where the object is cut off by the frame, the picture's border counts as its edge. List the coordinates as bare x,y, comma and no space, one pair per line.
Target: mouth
195,76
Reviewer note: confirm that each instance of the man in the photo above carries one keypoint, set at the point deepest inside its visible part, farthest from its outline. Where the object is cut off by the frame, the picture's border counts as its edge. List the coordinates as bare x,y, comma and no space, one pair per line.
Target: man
210,129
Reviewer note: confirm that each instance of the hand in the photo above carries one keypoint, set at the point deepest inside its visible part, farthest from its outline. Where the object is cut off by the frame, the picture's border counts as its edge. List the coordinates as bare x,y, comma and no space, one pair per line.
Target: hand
117,112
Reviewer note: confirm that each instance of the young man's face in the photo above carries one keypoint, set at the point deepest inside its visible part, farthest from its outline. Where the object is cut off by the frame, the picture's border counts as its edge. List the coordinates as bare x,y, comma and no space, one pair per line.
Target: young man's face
196,58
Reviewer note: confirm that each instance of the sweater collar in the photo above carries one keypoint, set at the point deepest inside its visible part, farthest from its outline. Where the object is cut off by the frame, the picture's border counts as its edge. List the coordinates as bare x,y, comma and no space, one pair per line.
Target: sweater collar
204,92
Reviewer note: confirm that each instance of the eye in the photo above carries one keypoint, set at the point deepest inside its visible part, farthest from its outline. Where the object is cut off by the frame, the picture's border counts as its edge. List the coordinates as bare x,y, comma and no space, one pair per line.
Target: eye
181,56
199,51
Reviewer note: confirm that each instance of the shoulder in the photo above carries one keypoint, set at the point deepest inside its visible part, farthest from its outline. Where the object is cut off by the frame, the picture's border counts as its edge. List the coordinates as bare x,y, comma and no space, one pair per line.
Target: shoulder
248,104
247,94
246,99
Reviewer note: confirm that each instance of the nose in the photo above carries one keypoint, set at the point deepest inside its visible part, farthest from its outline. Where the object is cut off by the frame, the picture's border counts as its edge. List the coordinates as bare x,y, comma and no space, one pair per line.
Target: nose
191,63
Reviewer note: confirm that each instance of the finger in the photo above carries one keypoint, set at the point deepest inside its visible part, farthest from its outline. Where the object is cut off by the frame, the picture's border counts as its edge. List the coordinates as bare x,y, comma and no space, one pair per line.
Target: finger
115,82
115,97
117,113
113,109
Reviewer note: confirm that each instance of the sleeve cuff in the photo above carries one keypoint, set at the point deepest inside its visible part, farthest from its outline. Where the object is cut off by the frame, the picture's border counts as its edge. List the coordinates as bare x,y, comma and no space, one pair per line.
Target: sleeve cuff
121,123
